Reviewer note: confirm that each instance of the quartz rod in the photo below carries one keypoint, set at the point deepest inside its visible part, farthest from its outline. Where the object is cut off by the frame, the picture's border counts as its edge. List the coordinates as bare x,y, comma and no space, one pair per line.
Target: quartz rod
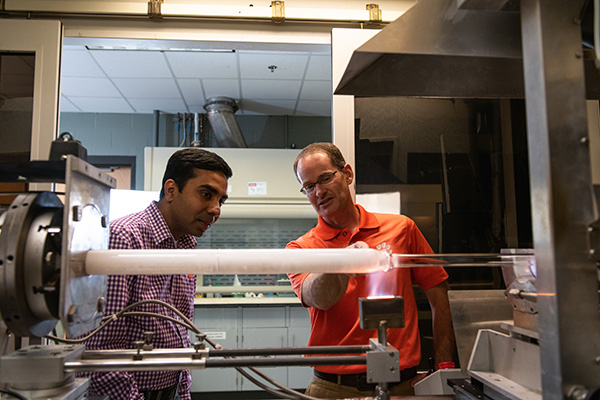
175,364
235,261
461,260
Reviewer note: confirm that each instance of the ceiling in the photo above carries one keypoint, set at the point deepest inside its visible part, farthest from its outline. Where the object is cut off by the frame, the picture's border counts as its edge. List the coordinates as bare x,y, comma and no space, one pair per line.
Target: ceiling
111,80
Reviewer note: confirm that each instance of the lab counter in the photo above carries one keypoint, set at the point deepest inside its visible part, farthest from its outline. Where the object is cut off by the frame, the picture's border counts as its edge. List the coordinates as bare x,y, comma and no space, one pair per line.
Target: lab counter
245,295
245,301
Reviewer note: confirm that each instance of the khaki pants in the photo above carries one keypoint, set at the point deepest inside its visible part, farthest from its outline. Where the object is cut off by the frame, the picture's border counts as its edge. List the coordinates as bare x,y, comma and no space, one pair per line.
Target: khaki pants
328,390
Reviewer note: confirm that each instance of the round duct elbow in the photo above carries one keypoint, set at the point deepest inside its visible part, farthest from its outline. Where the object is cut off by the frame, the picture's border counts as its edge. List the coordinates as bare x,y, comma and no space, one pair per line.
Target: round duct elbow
220,112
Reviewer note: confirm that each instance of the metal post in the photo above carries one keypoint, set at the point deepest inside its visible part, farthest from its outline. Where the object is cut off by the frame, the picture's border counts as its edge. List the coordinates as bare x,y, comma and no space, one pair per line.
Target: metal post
156,126
561,195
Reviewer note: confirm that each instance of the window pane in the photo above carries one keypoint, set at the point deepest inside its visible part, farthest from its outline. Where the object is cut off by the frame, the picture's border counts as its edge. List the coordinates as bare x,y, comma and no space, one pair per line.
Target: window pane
16,105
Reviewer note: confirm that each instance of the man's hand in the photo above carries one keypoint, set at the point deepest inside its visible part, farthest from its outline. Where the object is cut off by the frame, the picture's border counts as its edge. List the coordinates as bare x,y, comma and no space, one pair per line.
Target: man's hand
358,245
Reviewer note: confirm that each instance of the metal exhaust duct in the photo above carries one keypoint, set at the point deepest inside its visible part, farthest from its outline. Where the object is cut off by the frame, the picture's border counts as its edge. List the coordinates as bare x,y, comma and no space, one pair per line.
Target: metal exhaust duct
220,112
448,49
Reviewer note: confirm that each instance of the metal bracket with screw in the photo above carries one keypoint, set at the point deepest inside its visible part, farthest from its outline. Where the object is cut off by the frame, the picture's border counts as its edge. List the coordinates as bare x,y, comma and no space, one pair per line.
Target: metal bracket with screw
154,9
278,12
374,13
594,241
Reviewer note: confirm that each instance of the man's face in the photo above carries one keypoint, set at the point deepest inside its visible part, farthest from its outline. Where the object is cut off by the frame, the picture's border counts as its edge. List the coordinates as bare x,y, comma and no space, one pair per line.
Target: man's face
329,198
198,206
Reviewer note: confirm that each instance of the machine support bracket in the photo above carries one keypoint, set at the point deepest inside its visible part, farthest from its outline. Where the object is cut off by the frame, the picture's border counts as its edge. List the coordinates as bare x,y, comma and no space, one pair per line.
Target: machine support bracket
154,9
278,11
374,13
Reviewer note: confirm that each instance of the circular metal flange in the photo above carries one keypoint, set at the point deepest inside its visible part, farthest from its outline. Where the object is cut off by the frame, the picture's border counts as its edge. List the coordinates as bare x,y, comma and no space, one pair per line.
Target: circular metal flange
30,246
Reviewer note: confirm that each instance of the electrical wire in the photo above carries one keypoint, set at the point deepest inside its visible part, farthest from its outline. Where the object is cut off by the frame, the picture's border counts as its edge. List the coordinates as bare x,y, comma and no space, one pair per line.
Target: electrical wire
266,388
284,392
184,131
282,387
83,339
125,312
215,345
177,125
13,394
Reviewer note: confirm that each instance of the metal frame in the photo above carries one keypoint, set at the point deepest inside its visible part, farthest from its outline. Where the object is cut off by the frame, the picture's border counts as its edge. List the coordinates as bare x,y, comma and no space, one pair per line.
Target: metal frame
115,161
85,227
561,195
44,39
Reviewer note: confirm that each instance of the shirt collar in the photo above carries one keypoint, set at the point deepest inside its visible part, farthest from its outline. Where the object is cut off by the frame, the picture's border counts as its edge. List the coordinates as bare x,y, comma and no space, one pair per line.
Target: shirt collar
367,221
161,231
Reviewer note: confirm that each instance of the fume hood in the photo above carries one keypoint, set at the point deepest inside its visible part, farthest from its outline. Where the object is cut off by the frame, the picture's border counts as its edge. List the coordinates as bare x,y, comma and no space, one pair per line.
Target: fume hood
263,183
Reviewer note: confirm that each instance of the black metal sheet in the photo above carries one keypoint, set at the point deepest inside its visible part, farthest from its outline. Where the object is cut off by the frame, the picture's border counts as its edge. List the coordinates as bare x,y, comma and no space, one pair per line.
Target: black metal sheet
33,171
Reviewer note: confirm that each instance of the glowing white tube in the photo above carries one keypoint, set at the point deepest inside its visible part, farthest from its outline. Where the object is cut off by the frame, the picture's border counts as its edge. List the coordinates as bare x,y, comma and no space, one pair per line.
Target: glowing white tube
234,261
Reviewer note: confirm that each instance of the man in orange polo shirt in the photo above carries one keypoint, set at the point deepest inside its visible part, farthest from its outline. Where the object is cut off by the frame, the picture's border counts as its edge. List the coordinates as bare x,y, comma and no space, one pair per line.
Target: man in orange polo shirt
332,299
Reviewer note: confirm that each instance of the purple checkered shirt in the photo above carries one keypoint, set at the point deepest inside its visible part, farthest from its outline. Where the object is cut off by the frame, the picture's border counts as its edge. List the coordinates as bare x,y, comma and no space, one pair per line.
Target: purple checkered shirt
144,230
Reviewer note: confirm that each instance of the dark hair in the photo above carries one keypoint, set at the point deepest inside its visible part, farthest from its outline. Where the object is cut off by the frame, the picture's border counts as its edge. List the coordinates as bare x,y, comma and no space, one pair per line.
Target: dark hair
183,164
335,155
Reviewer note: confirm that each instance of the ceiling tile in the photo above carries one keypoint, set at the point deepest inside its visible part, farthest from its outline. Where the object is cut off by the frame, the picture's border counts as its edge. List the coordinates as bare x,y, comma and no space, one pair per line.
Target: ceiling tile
316,90
192,91
203,65
67,106
186,79
101,105
196,108
221,87
313,107
288,65
148,106
132,64
319,68
268,107
80,63
268,89
88,87
151,88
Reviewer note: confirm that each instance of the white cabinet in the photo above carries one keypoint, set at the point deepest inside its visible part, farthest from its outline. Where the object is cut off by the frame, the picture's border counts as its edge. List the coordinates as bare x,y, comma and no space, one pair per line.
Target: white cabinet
265,327
265,338
299,377
252,327
220,325
298,334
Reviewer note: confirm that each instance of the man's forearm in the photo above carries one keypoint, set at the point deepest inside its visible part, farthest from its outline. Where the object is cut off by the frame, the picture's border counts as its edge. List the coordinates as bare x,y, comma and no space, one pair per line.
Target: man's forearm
443,337
443,331
323,291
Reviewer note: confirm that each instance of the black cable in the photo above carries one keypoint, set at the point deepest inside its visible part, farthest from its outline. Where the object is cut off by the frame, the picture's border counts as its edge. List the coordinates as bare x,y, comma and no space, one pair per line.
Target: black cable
166,305
265,387
110,318
285,392
294,393
156,315
282,387
117,316
13,394
593,394
83,339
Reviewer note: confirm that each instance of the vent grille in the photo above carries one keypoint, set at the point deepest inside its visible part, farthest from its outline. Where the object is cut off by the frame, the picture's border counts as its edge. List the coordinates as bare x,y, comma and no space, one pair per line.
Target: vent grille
252,234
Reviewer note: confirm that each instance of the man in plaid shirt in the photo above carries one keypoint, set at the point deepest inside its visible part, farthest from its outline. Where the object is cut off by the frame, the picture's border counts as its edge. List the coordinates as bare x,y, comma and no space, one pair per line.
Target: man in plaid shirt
194,188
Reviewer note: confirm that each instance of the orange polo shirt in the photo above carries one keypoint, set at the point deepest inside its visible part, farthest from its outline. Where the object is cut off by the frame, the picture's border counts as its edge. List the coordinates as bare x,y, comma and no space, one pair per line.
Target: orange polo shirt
340,325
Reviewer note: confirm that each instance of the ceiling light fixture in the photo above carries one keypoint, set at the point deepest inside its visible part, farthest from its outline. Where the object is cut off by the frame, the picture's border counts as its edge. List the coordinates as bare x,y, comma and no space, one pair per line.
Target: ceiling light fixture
174,49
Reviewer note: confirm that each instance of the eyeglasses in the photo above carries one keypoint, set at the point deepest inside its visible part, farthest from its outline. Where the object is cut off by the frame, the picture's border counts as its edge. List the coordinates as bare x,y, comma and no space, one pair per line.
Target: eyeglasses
323,180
